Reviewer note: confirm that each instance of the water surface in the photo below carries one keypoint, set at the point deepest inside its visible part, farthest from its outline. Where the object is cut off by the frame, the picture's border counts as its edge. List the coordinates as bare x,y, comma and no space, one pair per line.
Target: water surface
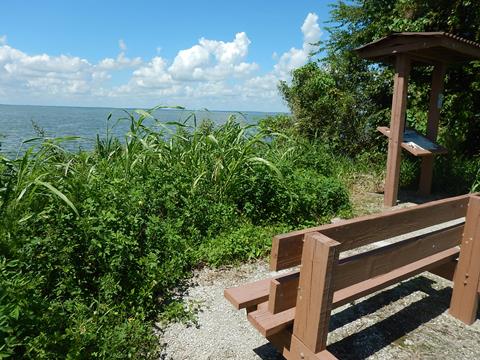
18,122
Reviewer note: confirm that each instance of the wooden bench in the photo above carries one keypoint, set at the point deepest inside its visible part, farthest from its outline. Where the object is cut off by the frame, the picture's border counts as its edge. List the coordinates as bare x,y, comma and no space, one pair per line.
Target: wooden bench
293,310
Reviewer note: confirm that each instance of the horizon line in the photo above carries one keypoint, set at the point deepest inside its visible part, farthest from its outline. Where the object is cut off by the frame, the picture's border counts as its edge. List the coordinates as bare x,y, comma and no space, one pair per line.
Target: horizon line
173,107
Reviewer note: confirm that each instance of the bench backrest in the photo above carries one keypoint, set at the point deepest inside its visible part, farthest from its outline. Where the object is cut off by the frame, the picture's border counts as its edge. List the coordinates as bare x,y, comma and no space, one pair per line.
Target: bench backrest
400,260
351,234
325,282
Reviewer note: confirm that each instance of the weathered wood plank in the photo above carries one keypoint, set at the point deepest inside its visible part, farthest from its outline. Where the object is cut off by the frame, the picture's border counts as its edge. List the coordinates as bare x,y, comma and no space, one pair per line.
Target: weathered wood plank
269,324
348,294
315,291
248,295
464,302
397,125
391,47
424,152
283,293
446,271
372,263
282,341
364,266
287,248
299,351
460,47
426,172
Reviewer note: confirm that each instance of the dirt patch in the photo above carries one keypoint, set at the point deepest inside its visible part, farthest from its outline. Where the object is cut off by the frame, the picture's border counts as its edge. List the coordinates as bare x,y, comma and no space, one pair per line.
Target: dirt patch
366,194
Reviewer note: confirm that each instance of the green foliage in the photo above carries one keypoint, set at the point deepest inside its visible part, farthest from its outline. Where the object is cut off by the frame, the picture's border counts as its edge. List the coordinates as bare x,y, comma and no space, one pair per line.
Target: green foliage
457,174
362,21
95,244
281,123
476,182
324,108
180,311
244,243
342,98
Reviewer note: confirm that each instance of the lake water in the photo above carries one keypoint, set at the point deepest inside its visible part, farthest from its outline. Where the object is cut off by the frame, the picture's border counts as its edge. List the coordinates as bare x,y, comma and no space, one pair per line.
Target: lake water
17,122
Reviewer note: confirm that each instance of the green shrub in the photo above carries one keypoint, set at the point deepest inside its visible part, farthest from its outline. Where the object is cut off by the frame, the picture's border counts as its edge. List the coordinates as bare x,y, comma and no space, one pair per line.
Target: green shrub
95,244
242,244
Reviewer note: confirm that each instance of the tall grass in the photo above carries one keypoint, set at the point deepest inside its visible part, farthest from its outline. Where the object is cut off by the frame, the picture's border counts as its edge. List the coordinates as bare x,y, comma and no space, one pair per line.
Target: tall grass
94,244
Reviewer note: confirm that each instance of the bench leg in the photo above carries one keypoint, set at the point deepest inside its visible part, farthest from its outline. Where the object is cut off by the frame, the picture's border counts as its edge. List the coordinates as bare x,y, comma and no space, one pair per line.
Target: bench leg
464,302
314,298
298,351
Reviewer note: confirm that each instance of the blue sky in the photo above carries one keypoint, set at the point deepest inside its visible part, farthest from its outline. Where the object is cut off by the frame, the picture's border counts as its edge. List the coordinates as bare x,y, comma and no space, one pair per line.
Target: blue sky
214,54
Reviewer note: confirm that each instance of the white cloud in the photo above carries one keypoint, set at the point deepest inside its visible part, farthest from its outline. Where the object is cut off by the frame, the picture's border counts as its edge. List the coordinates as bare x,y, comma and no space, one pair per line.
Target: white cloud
210,73
208,65
120,62
40,65
122,45
189,63
265,86
230,52
152,75
295,58
63,76
290,60
43,73
311,32
212,60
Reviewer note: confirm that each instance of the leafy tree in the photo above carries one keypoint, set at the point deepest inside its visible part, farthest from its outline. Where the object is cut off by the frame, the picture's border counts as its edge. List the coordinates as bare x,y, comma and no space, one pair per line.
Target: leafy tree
342,98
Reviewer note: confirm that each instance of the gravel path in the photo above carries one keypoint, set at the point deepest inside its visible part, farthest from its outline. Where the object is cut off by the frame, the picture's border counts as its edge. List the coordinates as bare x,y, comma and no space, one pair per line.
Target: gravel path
406,321
223,332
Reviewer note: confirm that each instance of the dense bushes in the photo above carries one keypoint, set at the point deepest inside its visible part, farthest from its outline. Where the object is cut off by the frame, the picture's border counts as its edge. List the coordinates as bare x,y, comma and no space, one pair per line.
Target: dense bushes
331,109
94,244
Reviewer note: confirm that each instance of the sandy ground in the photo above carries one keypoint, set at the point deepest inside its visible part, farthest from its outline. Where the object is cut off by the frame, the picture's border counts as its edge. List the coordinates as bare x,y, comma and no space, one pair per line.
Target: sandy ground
406,321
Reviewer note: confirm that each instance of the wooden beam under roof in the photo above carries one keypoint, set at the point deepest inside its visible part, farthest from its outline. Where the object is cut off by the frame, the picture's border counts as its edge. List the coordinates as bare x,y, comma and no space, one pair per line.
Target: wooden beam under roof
423,47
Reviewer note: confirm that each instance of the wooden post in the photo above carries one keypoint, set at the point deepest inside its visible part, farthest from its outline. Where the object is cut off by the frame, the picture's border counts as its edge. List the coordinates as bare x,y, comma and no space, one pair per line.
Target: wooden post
397,125
438,76
315,295
464,302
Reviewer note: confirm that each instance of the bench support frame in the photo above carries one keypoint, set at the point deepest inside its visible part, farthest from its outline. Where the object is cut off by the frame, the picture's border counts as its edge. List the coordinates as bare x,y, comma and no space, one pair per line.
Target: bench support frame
315,291
464,302
293,311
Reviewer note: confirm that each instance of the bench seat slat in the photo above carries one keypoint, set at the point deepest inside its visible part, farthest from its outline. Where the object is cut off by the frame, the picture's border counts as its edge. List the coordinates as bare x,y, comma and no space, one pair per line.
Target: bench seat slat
370,264
253,293
269,324
248,295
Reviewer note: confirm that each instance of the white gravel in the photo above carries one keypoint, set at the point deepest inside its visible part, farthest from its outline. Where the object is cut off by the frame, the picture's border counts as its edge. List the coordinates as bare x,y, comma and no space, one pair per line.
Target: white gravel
405,321
223,332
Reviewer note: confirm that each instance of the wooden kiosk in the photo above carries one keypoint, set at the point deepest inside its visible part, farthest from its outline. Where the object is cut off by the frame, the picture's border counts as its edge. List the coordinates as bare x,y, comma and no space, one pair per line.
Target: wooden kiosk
404,50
